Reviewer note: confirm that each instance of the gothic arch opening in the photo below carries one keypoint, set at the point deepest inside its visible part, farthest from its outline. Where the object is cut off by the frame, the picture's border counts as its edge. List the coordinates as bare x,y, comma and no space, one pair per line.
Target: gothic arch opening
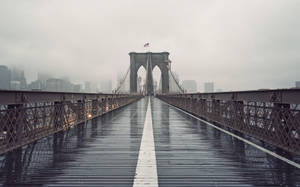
156,72
141,79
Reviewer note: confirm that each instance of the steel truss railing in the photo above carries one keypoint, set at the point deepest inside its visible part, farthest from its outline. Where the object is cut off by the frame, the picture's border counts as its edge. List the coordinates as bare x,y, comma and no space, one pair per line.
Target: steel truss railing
26,116
272,116
24,163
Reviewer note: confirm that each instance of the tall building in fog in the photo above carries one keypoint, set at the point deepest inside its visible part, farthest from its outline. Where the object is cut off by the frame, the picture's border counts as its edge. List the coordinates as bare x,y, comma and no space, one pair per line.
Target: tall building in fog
4,78
36,85
59,85
18,80
43,77
41,80
54,85
40,83
15,85
77,88
208,87
90,87
190,86
297,84
87,87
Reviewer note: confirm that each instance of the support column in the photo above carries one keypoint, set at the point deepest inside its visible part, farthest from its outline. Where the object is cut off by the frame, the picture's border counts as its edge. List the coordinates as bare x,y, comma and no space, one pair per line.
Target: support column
149,78
133,74
165,79
165,73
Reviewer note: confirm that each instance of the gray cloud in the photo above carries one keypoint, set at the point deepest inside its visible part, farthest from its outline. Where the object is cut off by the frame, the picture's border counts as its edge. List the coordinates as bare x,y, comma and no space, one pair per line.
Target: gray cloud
246,44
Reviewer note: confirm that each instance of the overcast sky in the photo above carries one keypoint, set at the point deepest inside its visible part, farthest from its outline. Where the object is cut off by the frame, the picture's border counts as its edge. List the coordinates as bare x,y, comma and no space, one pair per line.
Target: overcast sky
238,44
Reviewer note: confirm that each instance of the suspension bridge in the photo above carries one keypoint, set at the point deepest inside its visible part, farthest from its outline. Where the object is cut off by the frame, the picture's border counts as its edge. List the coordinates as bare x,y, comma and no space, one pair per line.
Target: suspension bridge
164,138
149,61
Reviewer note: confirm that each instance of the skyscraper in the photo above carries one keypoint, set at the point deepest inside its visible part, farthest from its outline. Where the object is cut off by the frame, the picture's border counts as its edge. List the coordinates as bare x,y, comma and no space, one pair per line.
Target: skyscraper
42,78
36,85
190,86
297,84
77,88
87,87
15,85
4,78
55,85
17,75
208,87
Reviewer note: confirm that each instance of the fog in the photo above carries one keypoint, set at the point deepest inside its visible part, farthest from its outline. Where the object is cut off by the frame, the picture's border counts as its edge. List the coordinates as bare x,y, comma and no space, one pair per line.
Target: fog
239,45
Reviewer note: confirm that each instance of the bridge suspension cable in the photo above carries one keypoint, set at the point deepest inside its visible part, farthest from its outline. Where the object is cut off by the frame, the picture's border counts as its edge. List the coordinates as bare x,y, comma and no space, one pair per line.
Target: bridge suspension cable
175,80
117,90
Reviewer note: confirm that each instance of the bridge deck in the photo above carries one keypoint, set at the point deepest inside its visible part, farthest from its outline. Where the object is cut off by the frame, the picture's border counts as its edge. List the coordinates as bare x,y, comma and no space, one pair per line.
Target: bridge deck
105,152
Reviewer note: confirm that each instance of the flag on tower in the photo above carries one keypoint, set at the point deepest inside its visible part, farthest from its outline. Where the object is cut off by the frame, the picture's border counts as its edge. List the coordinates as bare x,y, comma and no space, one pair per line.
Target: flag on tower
146,45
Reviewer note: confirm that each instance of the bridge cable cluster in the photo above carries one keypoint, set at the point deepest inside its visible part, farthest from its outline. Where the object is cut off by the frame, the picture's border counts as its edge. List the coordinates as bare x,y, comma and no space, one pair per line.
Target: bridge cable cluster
117,90
175,80
122,82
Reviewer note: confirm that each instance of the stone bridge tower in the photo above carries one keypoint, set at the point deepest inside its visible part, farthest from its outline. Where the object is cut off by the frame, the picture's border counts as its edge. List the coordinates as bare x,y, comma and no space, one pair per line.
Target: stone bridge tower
149,61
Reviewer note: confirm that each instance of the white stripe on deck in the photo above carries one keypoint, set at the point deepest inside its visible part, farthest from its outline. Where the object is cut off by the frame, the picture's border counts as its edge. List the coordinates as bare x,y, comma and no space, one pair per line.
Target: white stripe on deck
146,170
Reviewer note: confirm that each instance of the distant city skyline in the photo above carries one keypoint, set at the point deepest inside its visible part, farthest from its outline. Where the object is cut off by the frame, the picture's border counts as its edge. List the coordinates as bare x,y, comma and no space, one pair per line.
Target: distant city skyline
18,80
31,77
13,78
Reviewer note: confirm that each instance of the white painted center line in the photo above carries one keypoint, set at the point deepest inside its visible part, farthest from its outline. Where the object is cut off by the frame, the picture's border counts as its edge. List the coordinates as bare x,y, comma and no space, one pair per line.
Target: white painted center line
146,170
